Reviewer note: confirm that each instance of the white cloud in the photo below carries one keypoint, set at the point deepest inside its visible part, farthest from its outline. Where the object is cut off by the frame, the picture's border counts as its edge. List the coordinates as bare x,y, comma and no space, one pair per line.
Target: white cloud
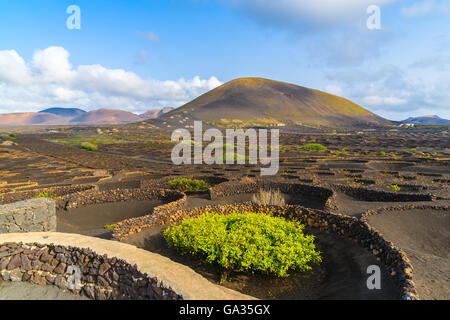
13,68
307,12
384,101
49,80
427,7
394,92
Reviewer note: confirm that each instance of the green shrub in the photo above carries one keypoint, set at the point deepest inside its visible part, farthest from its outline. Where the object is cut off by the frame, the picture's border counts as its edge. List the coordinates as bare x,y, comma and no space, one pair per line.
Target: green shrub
269,198
45,195
313,147
245,242
110,226
394,188
185,184
89,146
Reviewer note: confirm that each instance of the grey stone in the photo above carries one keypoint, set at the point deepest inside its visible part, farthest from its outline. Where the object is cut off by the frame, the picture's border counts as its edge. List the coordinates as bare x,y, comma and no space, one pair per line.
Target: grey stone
16,275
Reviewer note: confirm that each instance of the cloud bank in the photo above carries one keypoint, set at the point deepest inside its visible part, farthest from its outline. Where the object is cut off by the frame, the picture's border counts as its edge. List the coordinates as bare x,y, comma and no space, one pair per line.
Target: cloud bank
304,15
49,80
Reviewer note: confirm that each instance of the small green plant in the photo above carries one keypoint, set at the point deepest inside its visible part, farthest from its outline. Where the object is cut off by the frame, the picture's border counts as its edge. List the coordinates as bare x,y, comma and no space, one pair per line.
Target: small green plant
186,184
269,198
313,147
245,242
89,146
45,195
382,153
394,188
110,226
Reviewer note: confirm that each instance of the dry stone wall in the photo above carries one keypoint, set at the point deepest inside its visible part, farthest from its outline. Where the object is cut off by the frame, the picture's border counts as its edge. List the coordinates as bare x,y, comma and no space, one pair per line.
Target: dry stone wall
100,277
35,215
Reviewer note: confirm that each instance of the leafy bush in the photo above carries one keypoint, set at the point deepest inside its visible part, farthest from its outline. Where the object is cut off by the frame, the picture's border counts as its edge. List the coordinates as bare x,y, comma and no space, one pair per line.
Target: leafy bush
110,226
270,198
394,188
313,147
245,242
45,195
185,184
382,153
89,146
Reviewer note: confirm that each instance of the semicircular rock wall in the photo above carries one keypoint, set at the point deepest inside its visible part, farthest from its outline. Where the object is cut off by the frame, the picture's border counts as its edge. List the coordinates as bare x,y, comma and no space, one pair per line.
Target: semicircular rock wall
391,256
108,270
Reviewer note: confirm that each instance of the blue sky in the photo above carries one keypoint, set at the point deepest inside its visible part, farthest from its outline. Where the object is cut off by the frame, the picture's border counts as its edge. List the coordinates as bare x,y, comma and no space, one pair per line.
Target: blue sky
144,54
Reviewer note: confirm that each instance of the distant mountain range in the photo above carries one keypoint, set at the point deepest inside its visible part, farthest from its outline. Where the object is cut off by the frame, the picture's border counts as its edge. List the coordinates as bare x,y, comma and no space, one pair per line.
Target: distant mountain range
74,116
427,120
240,102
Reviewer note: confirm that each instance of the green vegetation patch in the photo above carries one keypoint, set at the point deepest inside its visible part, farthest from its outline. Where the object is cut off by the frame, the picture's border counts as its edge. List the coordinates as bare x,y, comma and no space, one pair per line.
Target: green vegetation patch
246,242
89,146
313,147
394,187
186,184
45,195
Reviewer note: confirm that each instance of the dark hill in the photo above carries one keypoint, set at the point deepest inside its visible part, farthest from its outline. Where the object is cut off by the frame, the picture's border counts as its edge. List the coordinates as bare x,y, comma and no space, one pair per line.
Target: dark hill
64,112
262,100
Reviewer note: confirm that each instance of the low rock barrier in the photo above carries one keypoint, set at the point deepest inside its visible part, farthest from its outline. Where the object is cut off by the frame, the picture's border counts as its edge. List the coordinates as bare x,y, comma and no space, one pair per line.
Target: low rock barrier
100,277
365,216
90,197
364,194
101,269
57,191
231,188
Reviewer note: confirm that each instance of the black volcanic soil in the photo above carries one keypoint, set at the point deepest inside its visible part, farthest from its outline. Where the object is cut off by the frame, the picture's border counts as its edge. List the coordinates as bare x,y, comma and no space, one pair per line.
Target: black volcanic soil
342,274
91,220
425,237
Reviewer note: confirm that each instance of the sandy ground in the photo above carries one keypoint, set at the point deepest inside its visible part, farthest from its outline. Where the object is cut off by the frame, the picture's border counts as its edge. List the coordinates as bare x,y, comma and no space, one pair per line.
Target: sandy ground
29,291
425,236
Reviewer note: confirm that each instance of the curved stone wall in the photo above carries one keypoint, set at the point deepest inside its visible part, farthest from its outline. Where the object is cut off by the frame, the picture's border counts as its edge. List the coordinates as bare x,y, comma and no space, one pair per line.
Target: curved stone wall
365,194
108,270
369,213
234,187
57,191
90,197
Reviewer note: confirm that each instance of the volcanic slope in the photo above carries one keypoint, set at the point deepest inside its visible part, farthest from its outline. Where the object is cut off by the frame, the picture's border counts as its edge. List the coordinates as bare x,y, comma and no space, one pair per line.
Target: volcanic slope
260,100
